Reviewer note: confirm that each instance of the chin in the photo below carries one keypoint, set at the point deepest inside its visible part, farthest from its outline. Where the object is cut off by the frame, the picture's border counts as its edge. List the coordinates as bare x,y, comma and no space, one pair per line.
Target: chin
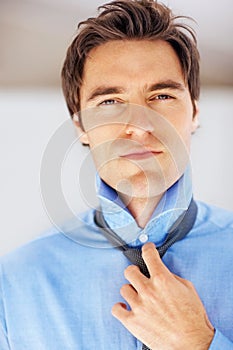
146,185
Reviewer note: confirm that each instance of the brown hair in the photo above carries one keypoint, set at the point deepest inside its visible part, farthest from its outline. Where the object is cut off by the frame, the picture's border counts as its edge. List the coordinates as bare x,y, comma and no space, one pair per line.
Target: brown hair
126,20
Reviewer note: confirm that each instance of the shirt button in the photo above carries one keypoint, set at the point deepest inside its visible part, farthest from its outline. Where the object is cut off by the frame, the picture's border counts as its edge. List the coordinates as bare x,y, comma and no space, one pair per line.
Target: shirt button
143,238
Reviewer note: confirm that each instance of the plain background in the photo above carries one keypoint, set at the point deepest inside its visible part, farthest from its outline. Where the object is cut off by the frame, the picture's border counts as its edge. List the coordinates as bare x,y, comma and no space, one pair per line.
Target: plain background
34,35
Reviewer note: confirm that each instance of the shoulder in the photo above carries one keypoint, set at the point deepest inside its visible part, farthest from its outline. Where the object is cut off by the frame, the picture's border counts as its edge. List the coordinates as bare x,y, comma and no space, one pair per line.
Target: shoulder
32,250
218,216
213,219
51,244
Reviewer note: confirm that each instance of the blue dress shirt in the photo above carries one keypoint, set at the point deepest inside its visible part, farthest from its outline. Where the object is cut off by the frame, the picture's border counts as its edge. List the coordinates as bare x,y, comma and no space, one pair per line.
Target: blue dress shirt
56,292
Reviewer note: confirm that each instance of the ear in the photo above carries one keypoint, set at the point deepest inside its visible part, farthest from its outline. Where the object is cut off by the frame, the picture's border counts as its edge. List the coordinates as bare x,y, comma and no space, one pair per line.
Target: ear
80,131
195,120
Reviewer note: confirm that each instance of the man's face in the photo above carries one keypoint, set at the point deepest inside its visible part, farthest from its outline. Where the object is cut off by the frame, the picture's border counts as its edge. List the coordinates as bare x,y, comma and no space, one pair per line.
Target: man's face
137,115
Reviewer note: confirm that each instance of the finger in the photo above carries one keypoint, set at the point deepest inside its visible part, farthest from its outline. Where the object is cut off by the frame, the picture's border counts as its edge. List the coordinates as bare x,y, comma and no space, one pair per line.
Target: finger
128,292
119,310
153,261
135,277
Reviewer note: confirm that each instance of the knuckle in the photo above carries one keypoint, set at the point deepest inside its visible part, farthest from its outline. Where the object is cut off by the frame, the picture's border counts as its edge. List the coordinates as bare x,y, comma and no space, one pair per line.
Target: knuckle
159,278
149,291
124,289
115,311
131,269
148,246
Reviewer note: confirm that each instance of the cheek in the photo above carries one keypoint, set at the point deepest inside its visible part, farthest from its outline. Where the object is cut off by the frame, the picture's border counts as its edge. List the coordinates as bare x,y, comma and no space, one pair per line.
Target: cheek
183,125
185,133
101,142
104,134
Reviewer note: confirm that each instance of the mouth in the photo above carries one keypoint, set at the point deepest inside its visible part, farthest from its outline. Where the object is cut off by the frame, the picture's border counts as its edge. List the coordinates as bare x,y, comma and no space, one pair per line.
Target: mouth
141,154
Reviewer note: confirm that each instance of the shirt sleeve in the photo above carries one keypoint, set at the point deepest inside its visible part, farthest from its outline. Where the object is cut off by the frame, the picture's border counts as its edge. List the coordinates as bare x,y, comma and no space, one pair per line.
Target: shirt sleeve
220,342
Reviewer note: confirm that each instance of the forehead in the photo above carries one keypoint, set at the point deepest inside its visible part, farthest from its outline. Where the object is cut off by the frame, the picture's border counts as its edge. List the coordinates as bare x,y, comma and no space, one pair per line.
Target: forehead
115,53
131,61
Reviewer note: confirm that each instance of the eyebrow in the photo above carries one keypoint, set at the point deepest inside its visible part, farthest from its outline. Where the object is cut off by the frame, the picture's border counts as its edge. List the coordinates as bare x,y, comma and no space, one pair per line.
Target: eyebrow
105,90
167,84
108,90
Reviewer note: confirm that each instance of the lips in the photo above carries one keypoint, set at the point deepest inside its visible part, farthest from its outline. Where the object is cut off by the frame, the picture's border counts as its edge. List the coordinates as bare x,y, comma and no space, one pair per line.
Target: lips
141,154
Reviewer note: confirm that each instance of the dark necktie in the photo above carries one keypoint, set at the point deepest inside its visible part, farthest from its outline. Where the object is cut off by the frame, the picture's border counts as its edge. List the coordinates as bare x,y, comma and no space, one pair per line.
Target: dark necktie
179,230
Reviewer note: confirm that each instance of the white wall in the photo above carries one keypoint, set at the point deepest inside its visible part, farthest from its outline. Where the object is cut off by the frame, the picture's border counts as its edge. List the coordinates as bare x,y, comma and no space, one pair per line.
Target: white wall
213,147
30,118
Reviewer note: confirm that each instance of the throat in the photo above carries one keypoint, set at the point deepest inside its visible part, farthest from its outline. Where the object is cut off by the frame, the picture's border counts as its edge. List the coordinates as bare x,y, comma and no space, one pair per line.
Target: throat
141,208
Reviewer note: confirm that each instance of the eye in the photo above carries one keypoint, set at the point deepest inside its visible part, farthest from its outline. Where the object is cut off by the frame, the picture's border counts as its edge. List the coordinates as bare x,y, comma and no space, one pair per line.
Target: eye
162,97
108,102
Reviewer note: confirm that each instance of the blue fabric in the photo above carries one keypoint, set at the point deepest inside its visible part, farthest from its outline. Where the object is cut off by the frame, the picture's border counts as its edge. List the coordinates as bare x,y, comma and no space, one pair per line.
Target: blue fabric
56,292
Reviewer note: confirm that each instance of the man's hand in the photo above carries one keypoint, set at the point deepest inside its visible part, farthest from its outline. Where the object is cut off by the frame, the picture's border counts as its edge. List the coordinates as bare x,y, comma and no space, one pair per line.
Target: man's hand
166,311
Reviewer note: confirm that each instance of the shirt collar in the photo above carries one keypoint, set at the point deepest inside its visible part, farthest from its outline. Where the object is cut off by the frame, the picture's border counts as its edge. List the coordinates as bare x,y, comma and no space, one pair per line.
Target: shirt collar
173,203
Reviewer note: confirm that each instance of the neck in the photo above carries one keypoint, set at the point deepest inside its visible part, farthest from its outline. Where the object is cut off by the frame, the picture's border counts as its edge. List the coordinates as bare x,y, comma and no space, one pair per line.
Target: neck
141,208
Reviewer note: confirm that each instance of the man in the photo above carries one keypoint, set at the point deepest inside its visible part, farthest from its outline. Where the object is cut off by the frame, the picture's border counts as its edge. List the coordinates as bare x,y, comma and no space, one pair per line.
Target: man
131,82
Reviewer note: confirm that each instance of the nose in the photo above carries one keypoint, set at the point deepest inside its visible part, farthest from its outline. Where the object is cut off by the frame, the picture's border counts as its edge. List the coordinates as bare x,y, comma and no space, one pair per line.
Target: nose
139,121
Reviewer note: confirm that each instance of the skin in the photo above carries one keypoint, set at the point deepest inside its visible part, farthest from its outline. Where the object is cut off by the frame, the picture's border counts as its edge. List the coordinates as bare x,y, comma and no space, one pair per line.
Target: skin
140,137
166,311
139,182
